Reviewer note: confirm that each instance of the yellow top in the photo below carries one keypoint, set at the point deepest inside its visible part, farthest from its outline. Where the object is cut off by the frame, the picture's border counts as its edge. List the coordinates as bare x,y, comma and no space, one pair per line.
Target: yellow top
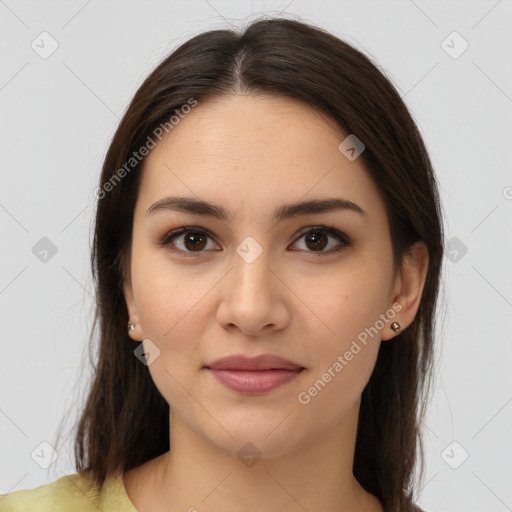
76,492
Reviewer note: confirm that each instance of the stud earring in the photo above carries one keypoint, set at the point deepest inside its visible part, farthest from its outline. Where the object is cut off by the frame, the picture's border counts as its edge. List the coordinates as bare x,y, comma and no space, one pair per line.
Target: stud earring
131,327
396,326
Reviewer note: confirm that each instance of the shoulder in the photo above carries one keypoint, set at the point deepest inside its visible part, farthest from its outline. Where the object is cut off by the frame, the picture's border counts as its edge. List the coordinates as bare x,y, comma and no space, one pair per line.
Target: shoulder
75,492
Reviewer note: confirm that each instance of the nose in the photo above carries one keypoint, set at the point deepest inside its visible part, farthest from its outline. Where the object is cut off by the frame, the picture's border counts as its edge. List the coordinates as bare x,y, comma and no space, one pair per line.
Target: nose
254,297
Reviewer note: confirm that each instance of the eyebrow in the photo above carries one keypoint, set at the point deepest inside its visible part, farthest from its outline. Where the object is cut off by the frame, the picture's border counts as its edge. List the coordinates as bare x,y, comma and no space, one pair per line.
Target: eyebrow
287,211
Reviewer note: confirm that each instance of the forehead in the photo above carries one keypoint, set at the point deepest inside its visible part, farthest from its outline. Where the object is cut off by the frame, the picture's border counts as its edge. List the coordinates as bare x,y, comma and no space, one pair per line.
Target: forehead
256,152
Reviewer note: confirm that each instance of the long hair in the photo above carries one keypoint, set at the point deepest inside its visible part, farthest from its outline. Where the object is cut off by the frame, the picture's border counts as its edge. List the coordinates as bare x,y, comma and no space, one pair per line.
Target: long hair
125,421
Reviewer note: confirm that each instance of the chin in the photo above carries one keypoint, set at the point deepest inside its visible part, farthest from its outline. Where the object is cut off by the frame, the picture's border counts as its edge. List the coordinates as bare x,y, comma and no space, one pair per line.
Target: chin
264,441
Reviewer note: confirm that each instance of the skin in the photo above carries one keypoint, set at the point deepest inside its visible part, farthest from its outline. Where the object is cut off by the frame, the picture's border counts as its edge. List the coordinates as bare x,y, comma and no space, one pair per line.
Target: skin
251,154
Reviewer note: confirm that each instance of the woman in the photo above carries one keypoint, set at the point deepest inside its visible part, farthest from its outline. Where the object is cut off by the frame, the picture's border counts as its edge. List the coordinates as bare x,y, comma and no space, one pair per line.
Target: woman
268,231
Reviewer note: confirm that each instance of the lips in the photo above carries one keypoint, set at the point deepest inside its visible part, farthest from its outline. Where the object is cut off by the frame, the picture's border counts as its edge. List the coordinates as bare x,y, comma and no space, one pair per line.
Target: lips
258,363
254,375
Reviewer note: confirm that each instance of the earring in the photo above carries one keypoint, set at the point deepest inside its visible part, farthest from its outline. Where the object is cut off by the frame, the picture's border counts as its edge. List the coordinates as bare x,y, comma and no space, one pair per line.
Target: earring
396,326
131,327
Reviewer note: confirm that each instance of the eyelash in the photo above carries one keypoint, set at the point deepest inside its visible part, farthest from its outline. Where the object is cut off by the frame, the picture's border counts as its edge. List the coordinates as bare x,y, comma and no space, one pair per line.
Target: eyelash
167,239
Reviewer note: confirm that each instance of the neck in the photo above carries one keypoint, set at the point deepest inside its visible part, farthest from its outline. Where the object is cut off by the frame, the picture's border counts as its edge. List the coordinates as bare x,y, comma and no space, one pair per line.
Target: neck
198,475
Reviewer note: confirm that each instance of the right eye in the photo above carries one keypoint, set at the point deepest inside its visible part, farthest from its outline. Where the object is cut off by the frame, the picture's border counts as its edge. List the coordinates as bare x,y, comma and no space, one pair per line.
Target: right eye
187,240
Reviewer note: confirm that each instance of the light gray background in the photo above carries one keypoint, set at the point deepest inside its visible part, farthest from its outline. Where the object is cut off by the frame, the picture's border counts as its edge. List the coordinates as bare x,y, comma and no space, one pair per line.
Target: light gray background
58,115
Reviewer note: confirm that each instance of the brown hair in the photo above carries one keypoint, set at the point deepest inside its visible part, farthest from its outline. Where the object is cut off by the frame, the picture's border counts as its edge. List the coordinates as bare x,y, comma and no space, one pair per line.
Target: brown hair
125,421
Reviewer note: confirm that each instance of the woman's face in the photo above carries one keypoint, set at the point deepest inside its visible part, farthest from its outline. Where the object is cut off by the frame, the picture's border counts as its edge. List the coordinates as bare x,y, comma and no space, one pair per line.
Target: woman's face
252,283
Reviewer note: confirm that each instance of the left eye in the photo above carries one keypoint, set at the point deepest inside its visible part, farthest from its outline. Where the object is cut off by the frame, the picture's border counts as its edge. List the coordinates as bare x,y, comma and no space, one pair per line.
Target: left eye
317,238
194,240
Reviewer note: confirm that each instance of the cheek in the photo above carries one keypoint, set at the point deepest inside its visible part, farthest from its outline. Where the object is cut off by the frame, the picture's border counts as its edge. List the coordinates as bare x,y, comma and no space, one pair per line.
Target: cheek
169,297
347,302
343,355
344,346
173,316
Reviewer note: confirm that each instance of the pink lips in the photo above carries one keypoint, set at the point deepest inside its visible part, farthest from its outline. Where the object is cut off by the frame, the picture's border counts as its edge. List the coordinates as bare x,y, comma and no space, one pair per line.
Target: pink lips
254,375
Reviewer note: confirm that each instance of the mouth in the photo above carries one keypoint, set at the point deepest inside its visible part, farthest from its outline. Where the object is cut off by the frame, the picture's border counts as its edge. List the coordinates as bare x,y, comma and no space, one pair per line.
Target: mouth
256,375
254,382
261,362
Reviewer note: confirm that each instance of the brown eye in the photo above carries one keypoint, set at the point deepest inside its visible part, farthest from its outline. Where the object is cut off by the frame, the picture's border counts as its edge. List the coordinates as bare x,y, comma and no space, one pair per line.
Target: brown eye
316,239
188,240
194,241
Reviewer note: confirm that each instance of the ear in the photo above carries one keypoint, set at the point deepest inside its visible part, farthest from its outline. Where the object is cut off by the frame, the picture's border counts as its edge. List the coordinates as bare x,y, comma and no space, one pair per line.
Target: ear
133,317
408,288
